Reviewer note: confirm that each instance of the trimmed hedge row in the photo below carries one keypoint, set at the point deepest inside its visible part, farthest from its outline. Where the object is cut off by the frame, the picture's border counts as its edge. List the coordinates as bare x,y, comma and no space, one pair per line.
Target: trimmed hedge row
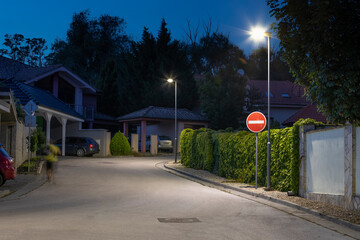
232,155
197,148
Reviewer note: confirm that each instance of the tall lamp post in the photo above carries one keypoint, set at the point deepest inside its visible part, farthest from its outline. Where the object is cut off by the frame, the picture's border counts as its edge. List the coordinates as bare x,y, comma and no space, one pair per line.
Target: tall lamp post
176,134
258,34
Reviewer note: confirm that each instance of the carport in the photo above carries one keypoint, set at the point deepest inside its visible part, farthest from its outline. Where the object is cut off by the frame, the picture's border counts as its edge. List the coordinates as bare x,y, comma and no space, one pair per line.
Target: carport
160,120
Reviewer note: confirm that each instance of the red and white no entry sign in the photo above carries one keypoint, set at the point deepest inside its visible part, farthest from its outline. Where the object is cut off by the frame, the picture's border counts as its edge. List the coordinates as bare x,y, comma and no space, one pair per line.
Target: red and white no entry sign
256,122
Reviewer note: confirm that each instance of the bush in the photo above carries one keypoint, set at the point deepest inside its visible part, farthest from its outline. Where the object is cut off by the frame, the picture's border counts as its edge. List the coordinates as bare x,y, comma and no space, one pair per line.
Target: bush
119,145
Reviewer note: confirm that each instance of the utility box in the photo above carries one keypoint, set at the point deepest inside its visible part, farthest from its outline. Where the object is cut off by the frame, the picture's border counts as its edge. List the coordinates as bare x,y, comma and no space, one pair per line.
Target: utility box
154,144
134,142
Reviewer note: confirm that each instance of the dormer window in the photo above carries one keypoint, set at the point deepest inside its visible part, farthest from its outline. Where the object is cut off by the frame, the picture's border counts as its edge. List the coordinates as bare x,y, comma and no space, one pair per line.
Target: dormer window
285,95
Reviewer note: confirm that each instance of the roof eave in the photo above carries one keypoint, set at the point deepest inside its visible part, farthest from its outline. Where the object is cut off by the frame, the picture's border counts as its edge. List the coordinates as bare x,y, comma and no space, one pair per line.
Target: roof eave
82,84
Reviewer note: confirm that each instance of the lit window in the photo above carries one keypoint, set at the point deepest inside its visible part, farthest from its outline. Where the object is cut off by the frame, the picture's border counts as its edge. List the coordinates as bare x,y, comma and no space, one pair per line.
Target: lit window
285,95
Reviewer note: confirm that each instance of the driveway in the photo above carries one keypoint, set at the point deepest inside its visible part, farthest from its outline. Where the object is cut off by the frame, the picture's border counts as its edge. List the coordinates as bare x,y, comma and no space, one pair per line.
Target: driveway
133,198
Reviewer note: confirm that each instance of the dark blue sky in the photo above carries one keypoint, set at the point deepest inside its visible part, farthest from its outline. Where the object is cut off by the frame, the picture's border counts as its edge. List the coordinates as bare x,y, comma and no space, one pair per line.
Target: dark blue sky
51,19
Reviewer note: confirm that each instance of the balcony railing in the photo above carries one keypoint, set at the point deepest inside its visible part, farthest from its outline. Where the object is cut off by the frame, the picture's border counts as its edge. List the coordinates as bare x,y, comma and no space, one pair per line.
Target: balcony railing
87,112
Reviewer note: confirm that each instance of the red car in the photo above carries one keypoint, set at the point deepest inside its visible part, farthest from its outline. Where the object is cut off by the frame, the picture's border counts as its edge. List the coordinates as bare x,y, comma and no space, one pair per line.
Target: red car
7,166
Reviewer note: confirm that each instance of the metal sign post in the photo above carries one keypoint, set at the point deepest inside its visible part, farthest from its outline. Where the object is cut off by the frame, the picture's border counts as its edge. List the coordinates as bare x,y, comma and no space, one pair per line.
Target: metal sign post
256,161
256,122
30,121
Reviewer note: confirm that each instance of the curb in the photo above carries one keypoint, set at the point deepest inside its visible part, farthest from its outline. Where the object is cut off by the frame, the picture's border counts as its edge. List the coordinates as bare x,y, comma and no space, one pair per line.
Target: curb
286,203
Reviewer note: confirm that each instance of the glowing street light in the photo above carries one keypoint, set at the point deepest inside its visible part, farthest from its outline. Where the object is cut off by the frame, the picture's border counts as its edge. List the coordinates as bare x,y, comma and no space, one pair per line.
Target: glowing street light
170,80
258,34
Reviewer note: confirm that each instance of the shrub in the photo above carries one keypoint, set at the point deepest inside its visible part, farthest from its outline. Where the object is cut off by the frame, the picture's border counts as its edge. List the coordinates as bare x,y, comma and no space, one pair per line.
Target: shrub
119,145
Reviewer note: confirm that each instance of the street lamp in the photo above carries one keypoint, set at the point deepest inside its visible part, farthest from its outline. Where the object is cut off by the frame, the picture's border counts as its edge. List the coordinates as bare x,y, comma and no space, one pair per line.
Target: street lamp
176,135
257,34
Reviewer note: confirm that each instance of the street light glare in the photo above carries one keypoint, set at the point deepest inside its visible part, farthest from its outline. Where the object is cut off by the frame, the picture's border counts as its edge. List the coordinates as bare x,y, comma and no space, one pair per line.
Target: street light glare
257,33
170,80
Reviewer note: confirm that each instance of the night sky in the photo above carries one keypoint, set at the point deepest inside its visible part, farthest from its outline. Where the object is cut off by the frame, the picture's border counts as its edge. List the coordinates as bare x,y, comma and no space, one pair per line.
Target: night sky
51,19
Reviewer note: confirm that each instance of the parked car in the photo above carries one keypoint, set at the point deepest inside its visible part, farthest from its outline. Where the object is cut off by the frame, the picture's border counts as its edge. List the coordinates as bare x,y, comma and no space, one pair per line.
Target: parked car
79,146
7,166
165,144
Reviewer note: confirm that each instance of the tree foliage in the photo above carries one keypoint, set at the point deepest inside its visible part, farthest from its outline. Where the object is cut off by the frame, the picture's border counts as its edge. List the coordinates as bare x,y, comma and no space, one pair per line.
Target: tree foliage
146,67
320,43
89,45
26,50
222,91
257,66
109,102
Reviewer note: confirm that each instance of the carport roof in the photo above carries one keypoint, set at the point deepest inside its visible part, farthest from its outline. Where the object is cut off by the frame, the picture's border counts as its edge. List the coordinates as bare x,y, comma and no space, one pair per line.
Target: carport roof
163,113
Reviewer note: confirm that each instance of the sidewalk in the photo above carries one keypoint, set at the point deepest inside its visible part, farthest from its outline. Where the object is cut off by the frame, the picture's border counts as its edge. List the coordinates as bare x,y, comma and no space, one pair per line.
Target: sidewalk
21,185
338,215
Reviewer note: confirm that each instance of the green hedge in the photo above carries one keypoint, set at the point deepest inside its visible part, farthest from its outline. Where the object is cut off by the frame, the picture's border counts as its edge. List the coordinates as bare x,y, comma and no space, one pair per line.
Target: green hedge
196,148
232,155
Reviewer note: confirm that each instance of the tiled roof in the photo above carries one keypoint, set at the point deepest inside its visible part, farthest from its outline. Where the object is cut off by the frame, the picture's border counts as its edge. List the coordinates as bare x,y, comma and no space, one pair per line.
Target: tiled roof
310,111
8,67
164,113
30,73
25,93
281,92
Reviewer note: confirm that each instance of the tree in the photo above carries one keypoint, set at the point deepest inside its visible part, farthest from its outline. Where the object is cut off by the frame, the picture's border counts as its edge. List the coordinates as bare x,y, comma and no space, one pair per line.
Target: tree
27,50
222,92
222,97
109,102
257,67
146,67
320,43
90,44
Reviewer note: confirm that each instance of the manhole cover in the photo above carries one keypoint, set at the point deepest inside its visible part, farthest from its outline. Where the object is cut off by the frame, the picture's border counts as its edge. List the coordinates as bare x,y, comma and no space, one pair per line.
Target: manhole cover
178,220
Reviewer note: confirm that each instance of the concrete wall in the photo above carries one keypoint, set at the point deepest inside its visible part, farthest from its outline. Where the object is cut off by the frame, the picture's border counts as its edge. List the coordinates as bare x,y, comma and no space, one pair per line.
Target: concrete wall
21,151
329,165
325,161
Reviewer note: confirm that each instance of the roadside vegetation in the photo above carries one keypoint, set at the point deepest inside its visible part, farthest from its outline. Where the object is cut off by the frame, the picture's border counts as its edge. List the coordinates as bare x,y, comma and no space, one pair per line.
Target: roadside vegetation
232,155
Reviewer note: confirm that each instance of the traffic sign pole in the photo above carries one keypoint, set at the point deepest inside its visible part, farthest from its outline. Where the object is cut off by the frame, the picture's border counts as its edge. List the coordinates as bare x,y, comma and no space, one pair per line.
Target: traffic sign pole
256,122
256,162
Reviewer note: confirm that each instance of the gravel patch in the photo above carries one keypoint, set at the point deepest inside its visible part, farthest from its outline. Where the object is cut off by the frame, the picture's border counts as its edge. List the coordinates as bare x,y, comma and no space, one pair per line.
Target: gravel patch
327,209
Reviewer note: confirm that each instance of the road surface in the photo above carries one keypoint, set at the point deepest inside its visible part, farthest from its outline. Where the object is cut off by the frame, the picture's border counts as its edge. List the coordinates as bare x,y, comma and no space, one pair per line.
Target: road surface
132,198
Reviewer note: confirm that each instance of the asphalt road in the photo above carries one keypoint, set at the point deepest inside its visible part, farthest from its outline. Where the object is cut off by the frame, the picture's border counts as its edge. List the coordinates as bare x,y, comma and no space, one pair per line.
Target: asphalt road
132,198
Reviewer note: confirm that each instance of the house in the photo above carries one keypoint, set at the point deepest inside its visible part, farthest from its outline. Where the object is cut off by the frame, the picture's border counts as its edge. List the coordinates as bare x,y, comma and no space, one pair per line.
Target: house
66,104
8,120
310,111
286,98
160,121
